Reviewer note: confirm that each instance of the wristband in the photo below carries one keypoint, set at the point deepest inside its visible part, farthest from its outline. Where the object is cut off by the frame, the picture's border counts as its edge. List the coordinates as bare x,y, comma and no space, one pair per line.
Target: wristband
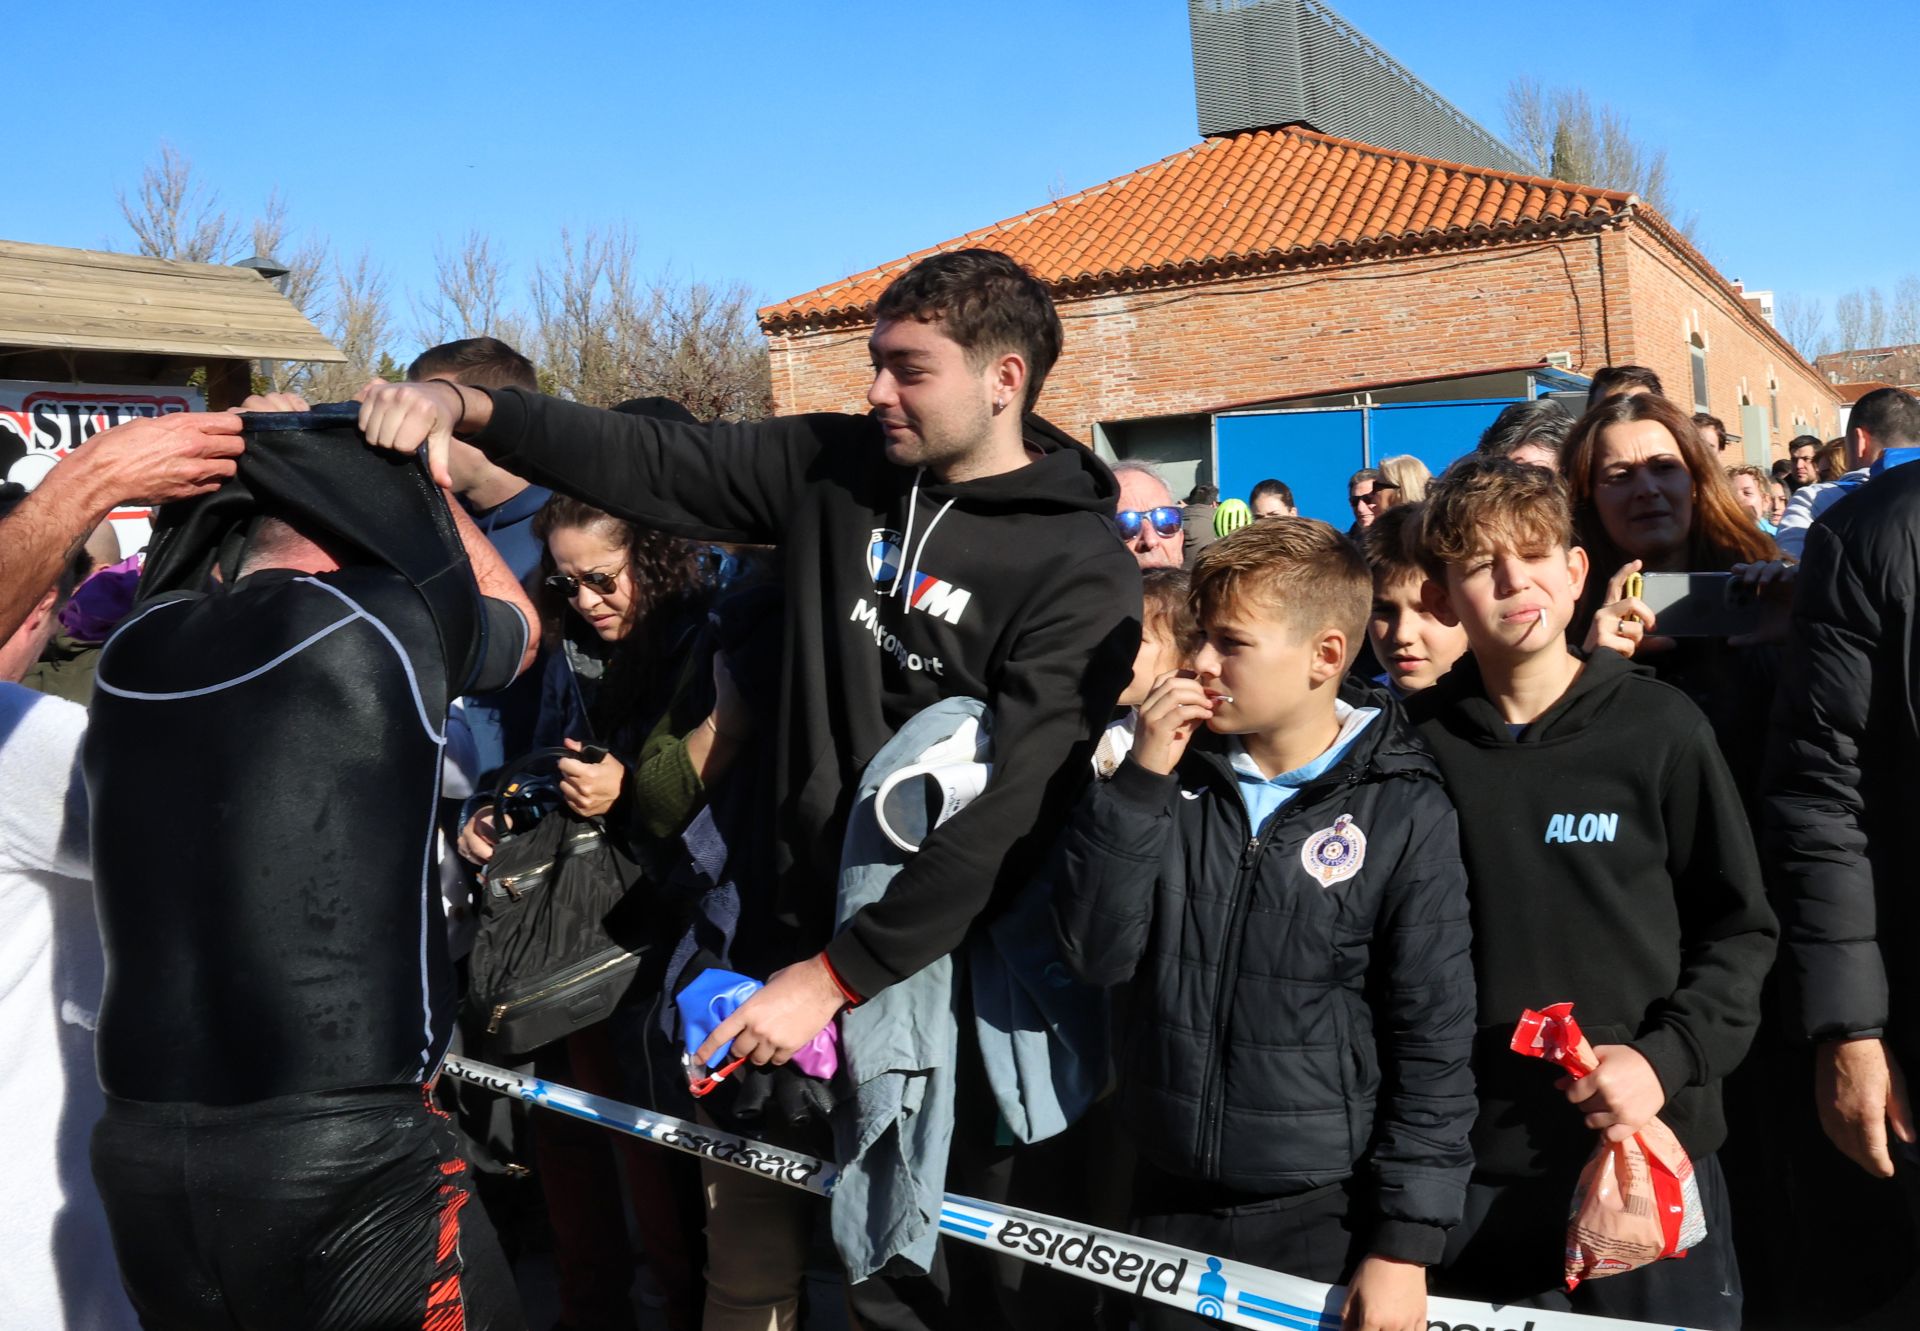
460,395
853,999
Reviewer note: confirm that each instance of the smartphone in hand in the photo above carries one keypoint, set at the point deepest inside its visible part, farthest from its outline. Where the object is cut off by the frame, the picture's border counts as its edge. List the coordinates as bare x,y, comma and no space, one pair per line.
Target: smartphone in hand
1705,605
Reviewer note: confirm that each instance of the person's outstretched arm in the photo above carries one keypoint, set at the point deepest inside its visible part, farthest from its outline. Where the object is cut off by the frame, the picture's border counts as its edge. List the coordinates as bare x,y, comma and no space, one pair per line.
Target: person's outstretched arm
715,482
152,460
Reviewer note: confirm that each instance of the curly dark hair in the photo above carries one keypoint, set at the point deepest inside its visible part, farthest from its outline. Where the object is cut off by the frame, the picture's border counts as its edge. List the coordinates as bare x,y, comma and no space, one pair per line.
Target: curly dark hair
672,584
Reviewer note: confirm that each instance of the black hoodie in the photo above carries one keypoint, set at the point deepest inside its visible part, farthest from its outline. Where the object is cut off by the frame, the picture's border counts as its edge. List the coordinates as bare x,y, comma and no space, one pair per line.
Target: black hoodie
1013,589
1609,863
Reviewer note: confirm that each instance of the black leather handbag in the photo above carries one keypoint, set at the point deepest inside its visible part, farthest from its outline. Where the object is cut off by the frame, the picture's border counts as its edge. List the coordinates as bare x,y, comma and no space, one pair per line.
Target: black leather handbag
546,961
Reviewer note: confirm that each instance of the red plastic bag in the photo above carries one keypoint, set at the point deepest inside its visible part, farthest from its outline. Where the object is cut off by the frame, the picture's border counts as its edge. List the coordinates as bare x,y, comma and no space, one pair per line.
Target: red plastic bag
1637,1200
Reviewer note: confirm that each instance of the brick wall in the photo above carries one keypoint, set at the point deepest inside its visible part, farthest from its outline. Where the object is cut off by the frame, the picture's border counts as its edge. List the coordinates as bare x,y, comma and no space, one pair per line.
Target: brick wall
1670,301
1174,350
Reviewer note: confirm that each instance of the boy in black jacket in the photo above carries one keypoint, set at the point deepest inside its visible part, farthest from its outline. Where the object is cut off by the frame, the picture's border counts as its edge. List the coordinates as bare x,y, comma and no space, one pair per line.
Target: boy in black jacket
1611,866
1291,909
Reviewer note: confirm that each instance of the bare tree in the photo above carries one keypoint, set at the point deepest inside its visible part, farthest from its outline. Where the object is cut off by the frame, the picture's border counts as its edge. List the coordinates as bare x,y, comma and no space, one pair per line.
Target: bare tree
174,215
705,352
1850,322
590,327
1802,320
1532,128
469,298
305,260
1903,312
1562,134
360,324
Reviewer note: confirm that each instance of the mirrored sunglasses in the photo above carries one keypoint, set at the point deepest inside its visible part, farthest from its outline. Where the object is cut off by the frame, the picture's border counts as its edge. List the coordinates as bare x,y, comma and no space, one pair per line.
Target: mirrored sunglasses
1166,521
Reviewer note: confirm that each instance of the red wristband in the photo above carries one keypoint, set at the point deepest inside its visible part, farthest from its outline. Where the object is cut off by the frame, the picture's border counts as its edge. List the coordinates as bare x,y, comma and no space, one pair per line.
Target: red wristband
853,999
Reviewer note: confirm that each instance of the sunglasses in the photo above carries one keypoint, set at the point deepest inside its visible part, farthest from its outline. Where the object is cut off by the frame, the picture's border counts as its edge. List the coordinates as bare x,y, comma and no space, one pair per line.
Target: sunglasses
1373,496
1166,521
569,586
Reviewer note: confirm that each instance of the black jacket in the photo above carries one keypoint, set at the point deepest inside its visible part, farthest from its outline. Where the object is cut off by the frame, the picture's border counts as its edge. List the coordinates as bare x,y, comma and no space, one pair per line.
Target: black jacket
1843,788
1612,867
1013,589
1282,1035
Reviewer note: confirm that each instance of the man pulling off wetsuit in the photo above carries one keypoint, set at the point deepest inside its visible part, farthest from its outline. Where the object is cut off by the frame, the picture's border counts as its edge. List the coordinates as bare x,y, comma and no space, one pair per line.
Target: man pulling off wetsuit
263,766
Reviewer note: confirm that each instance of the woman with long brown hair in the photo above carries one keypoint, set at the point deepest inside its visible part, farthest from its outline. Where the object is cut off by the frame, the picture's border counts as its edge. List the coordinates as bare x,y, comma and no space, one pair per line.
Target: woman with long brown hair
1649,496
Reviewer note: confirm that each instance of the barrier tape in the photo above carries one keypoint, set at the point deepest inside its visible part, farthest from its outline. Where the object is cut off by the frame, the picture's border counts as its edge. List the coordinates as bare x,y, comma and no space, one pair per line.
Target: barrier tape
1230,1292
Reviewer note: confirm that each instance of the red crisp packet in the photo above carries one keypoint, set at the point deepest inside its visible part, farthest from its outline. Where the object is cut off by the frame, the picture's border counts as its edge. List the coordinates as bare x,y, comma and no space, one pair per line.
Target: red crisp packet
1636,1201
1554,1035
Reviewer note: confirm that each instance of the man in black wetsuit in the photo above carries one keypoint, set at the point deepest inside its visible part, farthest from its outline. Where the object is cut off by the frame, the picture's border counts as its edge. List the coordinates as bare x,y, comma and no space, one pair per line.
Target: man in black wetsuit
263,766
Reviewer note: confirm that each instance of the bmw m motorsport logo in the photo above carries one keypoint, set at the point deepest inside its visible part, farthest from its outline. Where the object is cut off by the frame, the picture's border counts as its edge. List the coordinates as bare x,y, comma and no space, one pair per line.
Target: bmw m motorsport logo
883,557
925,593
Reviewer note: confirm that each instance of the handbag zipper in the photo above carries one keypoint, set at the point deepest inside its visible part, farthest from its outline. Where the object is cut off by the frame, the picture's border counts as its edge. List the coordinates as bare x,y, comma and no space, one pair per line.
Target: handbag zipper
540,870
500,1010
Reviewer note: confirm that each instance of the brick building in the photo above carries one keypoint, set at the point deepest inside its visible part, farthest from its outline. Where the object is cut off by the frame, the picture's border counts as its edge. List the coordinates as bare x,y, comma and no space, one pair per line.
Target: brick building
1286,264
1897,366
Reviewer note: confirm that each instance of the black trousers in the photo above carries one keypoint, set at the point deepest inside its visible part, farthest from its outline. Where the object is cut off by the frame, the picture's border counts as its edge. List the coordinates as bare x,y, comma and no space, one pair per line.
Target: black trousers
1510,1249
1310,1234
342,1210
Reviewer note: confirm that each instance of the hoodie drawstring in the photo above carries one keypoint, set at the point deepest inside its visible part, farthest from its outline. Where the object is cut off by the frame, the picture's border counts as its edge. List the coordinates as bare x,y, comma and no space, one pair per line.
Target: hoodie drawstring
913,501
913,573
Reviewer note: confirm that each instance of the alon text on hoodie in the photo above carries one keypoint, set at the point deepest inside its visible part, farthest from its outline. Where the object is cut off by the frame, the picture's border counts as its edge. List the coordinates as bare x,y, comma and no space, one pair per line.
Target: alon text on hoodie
1609,864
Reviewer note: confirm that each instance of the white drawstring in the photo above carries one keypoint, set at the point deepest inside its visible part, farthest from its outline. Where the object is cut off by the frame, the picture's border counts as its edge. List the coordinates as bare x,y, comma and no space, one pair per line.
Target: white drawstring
913,500
914,572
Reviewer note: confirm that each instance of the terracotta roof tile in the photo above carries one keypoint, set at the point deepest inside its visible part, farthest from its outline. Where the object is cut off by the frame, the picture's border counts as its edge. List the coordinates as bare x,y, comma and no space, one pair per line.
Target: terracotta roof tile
1248,199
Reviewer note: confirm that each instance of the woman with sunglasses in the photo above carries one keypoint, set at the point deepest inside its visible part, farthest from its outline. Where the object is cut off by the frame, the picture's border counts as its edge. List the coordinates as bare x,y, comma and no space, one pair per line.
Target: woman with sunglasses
625,606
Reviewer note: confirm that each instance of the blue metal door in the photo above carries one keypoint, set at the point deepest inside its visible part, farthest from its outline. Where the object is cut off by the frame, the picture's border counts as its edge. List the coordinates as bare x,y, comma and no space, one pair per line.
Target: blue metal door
1312,451
1315,451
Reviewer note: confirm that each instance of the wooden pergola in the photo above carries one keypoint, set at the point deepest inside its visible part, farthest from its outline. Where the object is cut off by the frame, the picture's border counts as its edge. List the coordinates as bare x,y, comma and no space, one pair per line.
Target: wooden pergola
74,316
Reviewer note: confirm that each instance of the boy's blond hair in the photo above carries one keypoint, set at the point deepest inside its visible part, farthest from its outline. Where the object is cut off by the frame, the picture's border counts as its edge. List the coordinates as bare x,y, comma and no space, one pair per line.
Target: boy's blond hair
1298,570
1488,505
1392,546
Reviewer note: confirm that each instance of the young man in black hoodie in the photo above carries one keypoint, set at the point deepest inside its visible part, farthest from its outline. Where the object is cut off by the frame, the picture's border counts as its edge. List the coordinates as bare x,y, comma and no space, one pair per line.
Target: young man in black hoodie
947,544
1609,864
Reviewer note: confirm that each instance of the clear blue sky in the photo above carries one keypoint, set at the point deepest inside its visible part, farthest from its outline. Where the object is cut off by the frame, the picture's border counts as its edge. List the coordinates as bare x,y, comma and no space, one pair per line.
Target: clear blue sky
782,145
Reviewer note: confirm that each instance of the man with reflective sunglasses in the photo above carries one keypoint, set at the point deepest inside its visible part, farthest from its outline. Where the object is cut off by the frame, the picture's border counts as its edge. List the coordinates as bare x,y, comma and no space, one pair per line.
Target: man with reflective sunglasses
1149,520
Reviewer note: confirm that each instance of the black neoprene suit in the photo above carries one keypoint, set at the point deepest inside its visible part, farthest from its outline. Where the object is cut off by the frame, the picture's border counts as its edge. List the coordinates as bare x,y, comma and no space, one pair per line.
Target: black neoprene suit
263,766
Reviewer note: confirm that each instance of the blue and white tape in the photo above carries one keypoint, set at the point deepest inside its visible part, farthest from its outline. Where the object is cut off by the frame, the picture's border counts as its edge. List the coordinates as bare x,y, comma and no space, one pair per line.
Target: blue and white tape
1231,1292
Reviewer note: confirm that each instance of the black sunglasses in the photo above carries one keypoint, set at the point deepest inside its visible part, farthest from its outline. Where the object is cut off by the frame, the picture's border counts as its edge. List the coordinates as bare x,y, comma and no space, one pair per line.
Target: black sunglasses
569,586
1166,521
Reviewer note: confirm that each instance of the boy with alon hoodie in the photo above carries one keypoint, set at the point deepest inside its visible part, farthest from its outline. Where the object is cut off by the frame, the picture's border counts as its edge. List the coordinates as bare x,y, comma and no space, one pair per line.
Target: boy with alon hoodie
1288,902
1611,866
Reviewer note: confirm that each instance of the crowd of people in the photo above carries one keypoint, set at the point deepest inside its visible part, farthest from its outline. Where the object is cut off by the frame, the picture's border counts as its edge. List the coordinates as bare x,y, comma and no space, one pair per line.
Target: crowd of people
1245,842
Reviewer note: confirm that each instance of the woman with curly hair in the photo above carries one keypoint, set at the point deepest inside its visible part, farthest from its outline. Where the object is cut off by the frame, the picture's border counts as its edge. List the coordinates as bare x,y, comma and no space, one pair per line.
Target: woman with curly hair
625,606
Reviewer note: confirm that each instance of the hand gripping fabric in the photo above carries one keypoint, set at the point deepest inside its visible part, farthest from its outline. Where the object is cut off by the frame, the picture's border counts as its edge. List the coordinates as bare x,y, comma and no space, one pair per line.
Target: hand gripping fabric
315,469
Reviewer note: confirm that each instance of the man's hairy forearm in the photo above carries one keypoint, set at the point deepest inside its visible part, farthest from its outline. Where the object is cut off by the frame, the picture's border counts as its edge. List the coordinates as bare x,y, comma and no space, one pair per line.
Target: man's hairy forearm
495,578
39,536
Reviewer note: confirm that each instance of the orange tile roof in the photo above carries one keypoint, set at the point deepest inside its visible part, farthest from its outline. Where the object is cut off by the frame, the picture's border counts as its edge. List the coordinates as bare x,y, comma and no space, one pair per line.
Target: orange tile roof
1852,393
1263,198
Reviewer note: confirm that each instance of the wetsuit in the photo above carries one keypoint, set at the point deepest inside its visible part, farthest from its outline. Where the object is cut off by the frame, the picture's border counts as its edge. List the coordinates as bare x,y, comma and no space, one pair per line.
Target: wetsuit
263,764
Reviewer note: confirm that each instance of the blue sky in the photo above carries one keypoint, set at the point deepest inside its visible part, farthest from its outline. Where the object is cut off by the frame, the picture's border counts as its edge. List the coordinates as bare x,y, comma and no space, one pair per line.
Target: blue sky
782,145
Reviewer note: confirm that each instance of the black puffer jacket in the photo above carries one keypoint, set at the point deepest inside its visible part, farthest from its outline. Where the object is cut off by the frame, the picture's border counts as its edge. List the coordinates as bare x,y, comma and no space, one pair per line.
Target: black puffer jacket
1843,787
1283,1035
